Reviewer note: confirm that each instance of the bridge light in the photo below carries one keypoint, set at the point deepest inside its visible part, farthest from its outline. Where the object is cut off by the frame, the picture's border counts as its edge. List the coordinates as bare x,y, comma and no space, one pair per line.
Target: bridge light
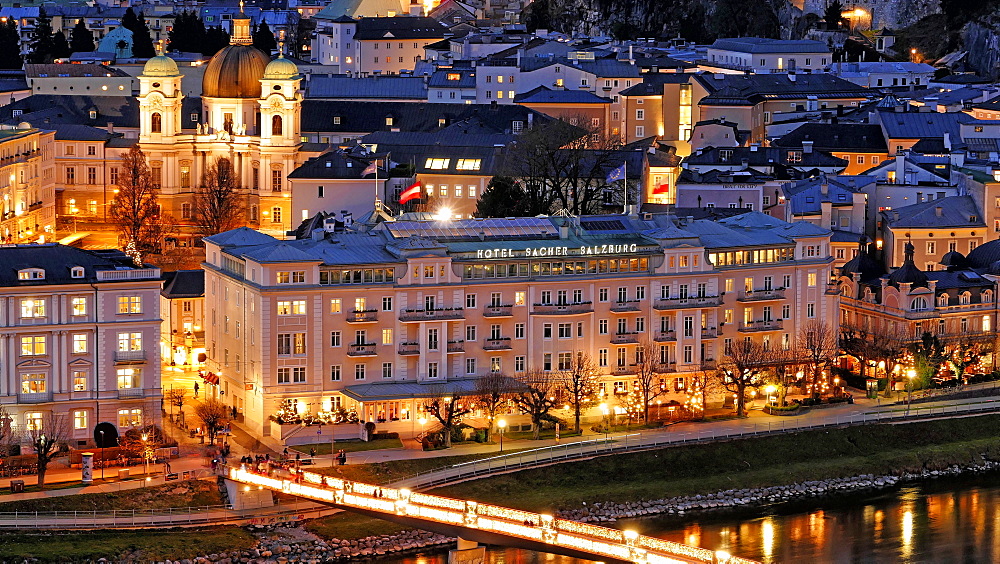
721,557
630,535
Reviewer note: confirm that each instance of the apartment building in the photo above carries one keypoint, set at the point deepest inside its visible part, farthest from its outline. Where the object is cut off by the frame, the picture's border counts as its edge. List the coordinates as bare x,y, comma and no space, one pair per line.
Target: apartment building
382,316
382,45
763,55
79,339
27,199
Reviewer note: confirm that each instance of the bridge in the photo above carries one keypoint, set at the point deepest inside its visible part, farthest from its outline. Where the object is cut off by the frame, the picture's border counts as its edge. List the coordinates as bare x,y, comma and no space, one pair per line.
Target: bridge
473,522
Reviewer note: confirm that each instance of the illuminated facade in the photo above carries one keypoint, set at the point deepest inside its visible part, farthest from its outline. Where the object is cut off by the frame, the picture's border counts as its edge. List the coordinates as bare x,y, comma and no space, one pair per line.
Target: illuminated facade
27,195
378,318
79,339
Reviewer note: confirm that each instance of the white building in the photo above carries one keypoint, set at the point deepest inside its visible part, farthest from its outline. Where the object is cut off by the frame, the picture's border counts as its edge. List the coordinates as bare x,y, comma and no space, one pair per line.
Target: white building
762,55
79,340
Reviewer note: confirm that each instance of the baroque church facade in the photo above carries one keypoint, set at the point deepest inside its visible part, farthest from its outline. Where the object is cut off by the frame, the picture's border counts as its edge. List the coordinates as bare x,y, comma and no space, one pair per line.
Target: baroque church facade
250,114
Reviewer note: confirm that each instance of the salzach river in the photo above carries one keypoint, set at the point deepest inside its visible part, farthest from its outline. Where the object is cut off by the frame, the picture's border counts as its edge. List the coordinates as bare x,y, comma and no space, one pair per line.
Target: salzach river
951,522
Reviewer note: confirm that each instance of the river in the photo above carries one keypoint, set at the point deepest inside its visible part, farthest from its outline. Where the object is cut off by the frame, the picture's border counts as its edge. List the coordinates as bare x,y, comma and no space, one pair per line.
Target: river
947,522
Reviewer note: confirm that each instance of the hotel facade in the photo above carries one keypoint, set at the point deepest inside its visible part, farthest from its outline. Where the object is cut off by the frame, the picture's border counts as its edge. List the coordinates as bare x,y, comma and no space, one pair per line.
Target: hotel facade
380,317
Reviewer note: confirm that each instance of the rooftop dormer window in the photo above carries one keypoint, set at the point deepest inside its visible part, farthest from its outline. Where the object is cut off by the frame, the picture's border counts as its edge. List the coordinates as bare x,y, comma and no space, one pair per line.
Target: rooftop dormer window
725,155
31,274
454,76
76,272
437,164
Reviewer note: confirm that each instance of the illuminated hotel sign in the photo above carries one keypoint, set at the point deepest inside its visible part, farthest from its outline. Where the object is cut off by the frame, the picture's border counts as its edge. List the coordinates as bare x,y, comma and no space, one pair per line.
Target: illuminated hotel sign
533,252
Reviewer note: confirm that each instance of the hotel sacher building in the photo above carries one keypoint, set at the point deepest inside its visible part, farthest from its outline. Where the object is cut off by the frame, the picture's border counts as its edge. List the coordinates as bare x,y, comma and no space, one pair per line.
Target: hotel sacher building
378,316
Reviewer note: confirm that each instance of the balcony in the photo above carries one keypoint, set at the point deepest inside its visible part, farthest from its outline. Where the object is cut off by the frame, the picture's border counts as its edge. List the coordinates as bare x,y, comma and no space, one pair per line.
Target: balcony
624,371
130,357
362,316
37,397
762,295
456,346
627,338
442,314
498,344
772,325
664,336
498,311
625,307
130,393
563,309
710,333
680,303
361,349
409,348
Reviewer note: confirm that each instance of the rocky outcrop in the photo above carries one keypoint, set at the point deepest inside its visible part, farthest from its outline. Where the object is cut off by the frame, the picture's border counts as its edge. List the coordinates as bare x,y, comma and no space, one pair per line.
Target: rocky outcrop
611,512
982,41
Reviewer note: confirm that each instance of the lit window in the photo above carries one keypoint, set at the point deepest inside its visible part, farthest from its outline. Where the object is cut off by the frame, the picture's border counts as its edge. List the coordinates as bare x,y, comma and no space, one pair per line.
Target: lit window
128,378
31,307
79,381
468,164
80,343
129,417
129,304
437,164
80,419
33,346
454,76
33,383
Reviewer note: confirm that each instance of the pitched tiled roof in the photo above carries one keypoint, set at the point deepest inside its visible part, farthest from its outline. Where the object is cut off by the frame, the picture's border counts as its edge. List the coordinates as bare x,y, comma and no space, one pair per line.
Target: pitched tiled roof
400,27
955,211
57,262
183,284
544,95
836,137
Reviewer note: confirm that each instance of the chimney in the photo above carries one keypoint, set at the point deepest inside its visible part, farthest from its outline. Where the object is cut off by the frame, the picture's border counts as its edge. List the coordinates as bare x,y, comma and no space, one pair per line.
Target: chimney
895,215
318,234
824,187
947,141
807,147
111,127
745,163
939,211
791,77
564,231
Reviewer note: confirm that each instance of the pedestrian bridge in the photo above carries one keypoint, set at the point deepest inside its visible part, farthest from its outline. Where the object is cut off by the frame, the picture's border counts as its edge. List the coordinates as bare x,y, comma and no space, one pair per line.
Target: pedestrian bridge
481,522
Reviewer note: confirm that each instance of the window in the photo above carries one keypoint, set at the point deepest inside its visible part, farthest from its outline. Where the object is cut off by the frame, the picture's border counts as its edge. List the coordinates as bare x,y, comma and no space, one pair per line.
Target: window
33,383
519,364
386,370
602,327
519,330
470,366
810,310
432,370
79,381
602,295
640,114
470,333
130,417
437,164
811,279
387,303
547,362
276,180
335,339
640,131
32,307
565,330
468,164
80,343
547,331
470,301
359,371
386,336
129,378
33,345
130,341
129,304
79,419
335,305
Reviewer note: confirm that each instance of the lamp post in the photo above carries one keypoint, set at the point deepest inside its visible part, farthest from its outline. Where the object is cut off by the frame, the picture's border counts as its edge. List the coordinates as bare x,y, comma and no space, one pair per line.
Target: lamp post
501,425
102,455
145,454
910,375
607,420
769,390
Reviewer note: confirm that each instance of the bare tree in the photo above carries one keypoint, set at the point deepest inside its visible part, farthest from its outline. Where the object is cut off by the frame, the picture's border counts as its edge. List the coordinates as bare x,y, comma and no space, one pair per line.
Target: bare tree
448,409
219,204
966,350
176,398
743,366
135,209
493,391
784,365
214,415
580,384
701,384
647,379
537,396
47,437
817,344
6,431
888,344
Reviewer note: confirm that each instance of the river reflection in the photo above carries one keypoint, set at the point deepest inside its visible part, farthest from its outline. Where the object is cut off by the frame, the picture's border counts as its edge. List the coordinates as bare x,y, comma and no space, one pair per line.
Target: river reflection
954,521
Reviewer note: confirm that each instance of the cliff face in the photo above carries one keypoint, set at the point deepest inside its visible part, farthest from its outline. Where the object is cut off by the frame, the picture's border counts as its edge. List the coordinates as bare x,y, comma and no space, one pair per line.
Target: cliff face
982,40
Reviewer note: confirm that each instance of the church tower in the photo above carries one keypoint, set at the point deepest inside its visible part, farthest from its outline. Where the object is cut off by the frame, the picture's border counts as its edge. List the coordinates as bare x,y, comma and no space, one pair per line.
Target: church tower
160,98
280,103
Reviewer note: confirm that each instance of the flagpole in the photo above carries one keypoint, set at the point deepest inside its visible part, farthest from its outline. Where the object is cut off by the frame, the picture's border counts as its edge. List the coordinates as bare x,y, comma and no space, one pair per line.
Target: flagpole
625,182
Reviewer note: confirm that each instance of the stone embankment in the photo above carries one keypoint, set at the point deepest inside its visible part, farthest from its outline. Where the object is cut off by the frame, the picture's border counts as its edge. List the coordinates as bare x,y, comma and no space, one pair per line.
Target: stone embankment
298,547
609,512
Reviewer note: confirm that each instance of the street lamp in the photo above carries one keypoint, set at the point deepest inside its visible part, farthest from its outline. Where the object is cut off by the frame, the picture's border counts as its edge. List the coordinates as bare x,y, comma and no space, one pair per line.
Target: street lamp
769,390
658,407
102,454
145,454
910,375
501,425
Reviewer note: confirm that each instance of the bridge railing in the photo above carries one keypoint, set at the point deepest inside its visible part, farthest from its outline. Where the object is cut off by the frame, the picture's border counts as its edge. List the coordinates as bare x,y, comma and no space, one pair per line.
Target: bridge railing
635,442
591,539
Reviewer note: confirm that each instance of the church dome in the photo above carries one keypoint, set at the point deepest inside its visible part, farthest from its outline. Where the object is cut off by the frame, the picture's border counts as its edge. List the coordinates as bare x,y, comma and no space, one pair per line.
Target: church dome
160,65
984,255
908,273
281,69
234,72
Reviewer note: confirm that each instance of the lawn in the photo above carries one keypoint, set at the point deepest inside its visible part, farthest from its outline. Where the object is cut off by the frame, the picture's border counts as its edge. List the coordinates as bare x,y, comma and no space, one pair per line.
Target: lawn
350,446
190,493
783,459
388,472
351,526
139,546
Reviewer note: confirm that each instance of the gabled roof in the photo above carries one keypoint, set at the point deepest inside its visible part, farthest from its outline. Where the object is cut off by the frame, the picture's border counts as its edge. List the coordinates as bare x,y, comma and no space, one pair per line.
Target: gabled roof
240,236
183,284
920,125
781,86
399,27
950,211
336,10
75,70
806,196
763,157
358,116
836,137
41,109
372,87
335,164
544,95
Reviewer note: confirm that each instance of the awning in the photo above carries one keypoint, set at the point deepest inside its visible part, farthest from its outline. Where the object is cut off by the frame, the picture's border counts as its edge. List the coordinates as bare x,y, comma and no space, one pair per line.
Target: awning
388,391
70,239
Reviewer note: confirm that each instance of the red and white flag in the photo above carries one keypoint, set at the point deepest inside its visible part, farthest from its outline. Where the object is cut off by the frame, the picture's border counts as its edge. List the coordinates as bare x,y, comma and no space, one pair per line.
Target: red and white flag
411,193
662,189
372,169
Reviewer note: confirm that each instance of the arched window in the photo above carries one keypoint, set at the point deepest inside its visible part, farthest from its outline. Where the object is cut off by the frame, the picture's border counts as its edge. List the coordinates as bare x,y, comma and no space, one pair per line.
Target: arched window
942,300
986,296
918,304
276,125
155,123
965,298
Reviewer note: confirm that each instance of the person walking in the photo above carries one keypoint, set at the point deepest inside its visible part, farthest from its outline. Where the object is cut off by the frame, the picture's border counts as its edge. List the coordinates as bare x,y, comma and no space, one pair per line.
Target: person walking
196,389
